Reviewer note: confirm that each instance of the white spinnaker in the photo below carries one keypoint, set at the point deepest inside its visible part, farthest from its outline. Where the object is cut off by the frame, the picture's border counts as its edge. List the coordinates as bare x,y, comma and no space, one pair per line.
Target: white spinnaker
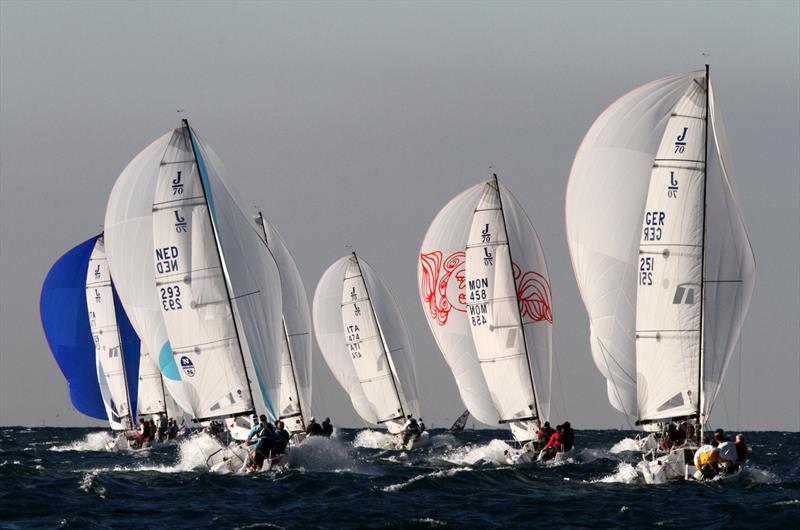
440,274
192,287
151,394
670,262
128,231
605,200
254,279
294,402
105,332
364,341
395,338
729,263
328,329
508,300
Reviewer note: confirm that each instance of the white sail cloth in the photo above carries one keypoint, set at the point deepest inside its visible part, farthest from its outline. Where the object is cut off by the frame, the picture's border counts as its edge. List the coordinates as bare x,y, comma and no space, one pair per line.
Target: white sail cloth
108,347
606,211
510,309
294,402
218,285
151,394
128,238
365,342
441,278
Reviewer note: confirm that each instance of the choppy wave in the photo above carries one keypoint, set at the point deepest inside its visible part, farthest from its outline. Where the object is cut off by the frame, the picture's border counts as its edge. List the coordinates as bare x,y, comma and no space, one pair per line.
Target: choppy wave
94,441
350,480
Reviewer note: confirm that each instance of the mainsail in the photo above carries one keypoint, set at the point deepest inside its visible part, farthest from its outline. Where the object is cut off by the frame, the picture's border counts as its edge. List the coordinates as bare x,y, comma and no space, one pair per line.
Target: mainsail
115,356
365,342
217,284
128,232
510,310
659,248
294,401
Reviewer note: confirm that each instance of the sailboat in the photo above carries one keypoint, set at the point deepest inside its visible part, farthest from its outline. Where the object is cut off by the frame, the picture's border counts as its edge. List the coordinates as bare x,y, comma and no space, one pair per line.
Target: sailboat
92,339
460,422
294,401
218,288
661,255
482,272
364,341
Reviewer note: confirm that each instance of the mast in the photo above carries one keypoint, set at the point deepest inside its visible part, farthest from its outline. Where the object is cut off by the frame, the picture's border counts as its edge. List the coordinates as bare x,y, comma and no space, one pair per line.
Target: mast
263,224
516,297
380,332
701,342
218,246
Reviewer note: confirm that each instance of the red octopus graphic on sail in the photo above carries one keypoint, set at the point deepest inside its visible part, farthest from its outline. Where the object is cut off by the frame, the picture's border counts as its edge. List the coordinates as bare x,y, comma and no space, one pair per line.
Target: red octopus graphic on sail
533,294
438,291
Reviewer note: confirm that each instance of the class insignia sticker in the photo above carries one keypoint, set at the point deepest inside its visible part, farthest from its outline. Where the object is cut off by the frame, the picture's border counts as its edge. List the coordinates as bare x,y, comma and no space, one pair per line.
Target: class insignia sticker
187,366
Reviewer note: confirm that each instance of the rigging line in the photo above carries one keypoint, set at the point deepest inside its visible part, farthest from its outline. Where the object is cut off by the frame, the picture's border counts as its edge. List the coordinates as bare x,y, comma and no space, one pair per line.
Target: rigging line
560,386
616,389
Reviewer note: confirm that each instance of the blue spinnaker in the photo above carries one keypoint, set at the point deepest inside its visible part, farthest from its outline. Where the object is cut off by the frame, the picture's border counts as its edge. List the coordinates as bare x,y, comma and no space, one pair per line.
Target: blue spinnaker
63,310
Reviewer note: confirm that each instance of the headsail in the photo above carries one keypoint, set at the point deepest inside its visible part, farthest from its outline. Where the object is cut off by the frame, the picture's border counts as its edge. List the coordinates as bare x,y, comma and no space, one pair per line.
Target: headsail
294,402
218,286
152,398
116,345
510,309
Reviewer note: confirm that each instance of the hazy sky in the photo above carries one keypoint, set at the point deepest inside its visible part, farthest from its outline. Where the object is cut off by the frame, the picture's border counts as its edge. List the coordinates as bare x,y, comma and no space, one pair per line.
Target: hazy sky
354,123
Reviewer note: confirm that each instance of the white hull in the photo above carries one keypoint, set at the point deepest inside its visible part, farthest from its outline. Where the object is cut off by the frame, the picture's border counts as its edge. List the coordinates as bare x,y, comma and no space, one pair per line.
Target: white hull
528,453
677,465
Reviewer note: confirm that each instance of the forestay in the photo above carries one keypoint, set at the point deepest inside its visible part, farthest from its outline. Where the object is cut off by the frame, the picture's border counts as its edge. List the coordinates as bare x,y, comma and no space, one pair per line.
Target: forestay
129,249
441,278
294,402
115,357
510,311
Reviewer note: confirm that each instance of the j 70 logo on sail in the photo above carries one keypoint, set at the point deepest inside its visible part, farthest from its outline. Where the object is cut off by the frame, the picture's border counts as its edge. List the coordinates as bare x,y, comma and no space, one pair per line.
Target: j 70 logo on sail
672,189
486,236
180,225
680,141
177,185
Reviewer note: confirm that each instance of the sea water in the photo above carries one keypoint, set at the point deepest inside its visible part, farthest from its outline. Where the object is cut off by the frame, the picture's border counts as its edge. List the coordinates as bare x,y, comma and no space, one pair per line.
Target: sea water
51,477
